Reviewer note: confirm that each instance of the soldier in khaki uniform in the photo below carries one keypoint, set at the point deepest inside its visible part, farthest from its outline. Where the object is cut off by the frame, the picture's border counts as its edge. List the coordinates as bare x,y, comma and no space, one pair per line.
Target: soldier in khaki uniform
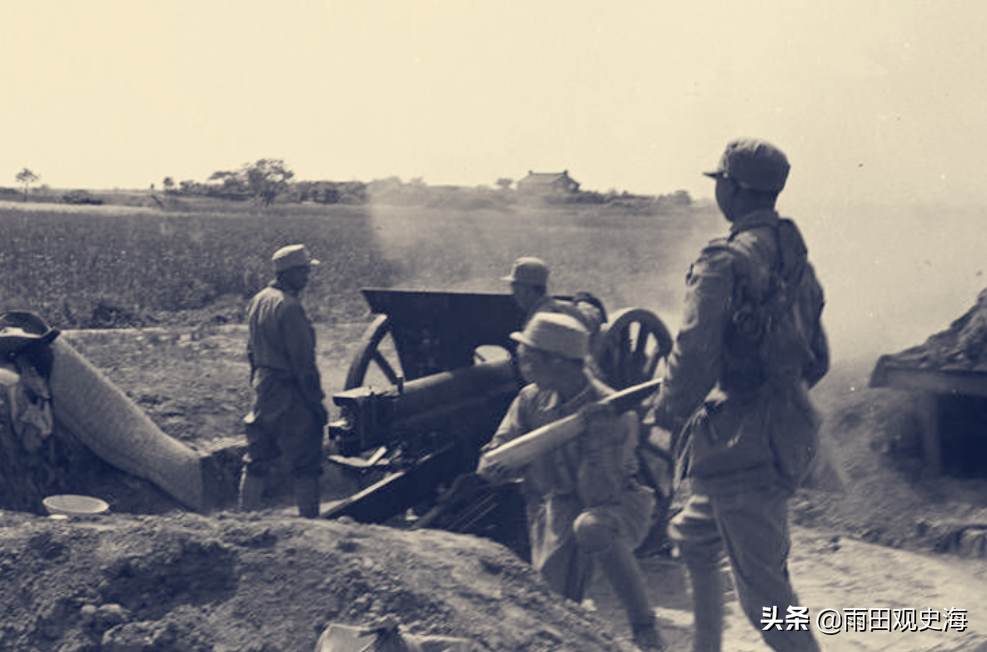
583,502
750,347
529,286
288,416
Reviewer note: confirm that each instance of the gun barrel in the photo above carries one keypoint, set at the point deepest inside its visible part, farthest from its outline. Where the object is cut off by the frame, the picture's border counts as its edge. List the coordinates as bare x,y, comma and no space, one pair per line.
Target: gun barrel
479,393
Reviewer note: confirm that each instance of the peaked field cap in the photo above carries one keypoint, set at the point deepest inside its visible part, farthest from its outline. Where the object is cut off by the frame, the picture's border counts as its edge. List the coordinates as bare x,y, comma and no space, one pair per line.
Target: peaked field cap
556,333
528,270
19,329
754,164
292,256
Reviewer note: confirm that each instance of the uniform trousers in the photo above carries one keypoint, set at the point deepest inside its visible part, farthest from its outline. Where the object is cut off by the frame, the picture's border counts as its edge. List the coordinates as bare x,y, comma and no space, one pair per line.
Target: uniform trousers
751,526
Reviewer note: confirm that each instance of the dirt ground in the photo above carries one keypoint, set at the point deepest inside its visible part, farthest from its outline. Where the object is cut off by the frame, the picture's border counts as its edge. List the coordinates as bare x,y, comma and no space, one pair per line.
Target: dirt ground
269,582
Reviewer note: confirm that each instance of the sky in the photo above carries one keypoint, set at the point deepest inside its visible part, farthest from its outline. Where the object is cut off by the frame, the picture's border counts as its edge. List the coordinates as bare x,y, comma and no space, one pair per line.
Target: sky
879,104
873,100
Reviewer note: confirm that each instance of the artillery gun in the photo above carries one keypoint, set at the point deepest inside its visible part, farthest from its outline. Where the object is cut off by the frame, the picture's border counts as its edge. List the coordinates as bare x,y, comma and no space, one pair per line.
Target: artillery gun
429,383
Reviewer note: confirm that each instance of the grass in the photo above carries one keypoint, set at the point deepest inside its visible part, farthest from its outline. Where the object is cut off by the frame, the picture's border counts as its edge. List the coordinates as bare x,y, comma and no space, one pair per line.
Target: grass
106,266
192,271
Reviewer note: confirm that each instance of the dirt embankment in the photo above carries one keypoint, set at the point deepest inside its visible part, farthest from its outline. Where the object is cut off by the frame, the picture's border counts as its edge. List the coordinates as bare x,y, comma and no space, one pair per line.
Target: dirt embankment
187,583
271,582
894,497
961,346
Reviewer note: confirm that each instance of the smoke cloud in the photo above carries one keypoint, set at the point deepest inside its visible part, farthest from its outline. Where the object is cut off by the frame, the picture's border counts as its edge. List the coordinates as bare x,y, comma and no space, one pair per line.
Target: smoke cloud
893,276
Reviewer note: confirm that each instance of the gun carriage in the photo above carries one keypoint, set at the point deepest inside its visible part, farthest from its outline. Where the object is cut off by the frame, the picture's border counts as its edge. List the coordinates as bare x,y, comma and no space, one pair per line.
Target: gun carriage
430,380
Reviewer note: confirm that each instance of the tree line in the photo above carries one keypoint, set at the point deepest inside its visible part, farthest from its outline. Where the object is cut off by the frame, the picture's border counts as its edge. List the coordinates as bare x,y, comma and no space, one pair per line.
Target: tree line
268,180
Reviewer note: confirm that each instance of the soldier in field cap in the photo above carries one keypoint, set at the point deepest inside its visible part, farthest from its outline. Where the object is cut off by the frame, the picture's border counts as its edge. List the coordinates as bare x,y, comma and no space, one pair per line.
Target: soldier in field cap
292,256
737,393
288,416
754,165
584,505
529,285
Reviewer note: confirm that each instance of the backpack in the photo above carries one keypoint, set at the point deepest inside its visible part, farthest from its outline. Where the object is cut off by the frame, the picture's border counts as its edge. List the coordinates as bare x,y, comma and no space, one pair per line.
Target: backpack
777,334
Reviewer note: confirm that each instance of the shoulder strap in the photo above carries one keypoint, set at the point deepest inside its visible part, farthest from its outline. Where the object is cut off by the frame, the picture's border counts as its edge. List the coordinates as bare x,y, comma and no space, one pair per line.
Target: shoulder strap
789,265
793,255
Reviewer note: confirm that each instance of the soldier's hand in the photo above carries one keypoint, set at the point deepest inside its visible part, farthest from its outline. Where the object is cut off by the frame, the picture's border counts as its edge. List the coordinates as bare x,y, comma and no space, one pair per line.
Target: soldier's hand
594,413
492,472
665,420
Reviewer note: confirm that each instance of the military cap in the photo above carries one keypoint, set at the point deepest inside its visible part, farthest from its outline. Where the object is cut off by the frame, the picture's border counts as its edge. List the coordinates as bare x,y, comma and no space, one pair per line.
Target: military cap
292,256
528,270
18,330
753,164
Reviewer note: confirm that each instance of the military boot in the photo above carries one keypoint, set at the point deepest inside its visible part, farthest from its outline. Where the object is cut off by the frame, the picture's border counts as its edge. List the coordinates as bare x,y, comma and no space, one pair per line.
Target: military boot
251,491
647,638
707,607
307,496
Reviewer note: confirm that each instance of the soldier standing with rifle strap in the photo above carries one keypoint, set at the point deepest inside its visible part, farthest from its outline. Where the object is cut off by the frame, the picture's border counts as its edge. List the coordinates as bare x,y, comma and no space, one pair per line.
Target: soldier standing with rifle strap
583,503
750,347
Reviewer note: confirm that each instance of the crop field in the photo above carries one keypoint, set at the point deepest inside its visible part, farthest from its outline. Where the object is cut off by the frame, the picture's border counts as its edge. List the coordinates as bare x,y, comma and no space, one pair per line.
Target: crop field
155,299
108,266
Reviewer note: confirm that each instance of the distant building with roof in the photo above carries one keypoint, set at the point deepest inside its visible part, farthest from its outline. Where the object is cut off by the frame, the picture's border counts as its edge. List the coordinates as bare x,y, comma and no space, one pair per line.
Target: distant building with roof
548,183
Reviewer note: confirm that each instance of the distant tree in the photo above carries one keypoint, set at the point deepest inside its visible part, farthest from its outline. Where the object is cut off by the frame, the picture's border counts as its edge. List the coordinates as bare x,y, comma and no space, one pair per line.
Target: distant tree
389,187
681,198
80,197
232,181
505,183
353,192
267,178
264,180
169,185
27,177
188,187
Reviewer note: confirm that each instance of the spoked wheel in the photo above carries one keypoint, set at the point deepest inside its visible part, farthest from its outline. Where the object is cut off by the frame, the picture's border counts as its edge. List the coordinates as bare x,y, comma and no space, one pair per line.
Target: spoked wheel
633,344
375,356
635,341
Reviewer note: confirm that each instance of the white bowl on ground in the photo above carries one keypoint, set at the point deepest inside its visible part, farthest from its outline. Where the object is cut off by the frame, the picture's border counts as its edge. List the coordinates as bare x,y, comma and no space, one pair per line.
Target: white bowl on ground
73,505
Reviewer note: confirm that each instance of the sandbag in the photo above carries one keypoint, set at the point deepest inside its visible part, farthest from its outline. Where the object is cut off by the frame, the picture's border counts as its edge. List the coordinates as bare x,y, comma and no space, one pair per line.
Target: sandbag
116,429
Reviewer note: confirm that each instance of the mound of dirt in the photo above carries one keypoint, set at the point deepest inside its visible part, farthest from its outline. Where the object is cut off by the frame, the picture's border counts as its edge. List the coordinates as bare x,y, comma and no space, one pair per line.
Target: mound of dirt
271,582
890,498
962,346
266,583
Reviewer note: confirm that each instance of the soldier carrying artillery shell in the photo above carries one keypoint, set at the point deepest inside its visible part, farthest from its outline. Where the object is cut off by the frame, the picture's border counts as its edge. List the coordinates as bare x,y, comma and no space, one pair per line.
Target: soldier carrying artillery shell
583,503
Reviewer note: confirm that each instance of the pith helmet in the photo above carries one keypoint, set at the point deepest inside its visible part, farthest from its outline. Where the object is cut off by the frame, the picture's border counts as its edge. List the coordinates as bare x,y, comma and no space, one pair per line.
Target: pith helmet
292,256
528,270
753,164
556,333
